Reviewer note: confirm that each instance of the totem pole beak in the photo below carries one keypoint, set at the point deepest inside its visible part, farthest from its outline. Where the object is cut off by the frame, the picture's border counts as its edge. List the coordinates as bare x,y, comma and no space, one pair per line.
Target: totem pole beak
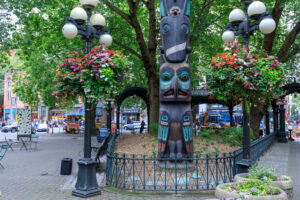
175,86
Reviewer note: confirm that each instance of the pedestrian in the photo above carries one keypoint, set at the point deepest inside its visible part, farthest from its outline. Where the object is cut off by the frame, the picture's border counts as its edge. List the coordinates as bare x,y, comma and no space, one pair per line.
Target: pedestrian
142,126
3,124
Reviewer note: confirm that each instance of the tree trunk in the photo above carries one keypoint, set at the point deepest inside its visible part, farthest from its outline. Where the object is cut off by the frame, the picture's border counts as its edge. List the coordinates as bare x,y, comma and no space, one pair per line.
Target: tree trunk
153,83
256,115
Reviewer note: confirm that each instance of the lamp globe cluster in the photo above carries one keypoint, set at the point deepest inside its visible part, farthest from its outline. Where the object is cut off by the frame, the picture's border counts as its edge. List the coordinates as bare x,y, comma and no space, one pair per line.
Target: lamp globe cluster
81,16
256,11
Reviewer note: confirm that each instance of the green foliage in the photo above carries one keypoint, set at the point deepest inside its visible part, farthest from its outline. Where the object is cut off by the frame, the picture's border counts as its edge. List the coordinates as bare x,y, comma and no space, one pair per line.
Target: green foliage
262,173
205,133
97,74
252,187
234,136
153,127
238,74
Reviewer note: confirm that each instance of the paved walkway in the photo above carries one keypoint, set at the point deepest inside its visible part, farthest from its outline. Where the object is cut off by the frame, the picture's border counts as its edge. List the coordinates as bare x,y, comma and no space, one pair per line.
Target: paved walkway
35,175
285,159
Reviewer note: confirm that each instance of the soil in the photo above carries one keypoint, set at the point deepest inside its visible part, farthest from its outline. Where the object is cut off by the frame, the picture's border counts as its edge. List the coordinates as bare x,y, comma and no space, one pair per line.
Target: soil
147,144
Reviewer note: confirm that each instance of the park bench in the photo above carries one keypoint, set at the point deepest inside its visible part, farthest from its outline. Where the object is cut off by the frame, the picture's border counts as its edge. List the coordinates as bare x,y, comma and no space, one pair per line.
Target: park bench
3,151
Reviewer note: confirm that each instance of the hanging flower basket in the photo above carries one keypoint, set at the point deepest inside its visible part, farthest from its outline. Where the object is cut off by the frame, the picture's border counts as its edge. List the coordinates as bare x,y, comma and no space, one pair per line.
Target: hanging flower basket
238,74
98,74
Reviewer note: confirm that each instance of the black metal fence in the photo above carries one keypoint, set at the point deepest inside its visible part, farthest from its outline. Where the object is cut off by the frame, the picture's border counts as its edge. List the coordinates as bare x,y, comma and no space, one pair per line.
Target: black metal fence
149,173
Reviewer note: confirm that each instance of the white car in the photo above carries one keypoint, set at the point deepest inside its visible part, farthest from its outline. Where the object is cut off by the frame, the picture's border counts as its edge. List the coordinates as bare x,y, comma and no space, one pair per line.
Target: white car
132,126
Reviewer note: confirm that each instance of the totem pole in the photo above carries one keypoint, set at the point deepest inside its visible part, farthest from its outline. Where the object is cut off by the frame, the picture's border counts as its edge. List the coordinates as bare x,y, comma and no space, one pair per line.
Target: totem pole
175,138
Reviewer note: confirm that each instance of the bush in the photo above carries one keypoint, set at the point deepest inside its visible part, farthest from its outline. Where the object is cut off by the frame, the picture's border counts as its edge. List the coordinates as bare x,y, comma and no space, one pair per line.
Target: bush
262,173
205,133
234,136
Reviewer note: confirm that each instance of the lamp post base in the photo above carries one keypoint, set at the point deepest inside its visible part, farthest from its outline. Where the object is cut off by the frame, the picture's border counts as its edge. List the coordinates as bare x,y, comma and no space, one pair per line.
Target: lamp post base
244,165
86,185
282,137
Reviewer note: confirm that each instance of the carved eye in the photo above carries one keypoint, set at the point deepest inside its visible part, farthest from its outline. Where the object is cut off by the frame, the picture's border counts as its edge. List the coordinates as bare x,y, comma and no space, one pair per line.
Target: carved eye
185,29
184,77
166,76
166,28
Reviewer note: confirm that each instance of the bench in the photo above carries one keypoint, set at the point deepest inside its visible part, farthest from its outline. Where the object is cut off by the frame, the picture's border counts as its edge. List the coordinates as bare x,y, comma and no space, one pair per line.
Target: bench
3,151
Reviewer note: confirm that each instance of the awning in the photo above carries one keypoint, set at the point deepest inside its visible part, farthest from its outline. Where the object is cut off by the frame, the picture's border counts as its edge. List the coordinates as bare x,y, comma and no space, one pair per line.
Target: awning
7,110
14,111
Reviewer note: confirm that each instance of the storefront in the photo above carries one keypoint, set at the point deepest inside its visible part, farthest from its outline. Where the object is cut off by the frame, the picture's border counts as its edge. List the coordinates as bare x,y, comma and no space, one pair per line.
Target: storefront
57,115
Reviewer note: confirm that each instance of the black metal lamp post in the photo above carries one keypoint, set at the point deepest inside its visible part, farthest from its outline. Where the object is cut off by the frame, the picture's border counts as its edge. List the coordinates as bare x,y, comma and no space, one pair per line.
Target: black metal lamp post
108,116
267,120
90,27
244,23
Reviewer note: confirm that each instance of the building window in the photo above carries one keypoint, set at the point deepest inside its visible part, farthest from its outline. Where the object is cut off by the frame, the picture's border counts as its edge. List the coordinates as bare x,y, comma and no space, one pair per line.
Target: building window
9,84
8,95
13,101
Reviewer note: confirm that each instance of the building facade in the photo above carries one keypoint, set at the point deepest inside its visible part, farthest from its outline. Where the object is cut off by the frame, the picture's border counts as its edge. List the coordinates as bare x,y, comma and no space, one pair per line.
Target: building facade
11,102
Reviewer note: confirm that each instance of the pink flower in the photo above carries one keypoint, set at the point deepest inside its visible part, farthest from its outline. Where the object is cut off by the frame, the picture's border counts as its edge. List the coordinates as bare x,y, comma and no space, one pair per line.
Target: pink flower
81,80
103,60
256,74
109,59
234,54
82,71
112,64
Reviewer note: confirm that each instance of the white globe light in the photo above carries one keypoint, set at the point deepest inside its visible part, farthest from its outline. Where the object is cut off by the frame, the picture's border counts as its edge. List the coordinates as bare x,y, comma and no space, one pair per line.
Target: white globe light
78,13
69,30
89,2
97,20
236,15
106,40
256,8
228,36
267,25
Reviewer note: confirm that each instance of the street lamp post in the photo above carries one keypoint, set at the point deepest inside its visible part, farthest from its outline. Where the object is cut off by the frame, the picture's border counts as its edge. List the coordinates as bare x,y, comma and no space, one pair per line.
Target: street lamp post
90,27
244,23
108,116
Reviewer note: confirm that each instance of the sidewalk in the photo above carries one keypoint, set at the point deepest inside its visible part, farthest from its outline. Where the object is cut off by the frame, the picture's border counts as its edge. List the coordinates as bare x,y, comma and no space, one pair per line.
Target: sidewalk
285,159
35,175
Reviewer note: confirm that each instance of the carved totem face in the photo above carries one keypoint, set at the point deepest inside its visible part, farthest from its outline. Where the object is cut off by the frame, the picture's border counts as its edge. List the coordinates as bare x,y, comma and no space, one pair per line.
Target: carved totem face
175,29
175,82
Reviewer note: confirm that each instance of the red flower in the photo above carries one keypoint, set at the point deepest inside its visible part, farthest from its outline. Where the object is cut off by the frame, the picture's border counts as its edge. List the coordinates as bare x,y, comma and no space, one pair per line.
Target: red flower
58,75
127,68
65,74
72,73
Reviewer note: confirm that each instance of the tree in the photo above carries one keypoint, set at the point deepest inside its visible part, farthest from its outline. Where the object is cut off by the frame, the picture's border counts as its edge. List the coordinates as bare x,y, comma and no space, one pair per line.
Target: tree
134,27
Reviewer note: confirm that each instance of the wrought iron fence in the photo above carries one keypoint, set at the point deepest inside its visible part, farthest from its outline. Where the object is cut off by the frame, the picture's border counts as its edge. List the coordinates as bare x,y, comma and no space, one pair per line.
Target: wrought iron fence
150,173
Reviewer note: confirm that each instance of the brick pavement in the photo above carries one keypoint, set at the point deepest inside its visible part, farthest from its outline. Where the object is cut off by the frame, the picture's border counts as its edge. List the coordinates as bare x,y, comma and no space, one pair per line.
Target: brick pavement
35,175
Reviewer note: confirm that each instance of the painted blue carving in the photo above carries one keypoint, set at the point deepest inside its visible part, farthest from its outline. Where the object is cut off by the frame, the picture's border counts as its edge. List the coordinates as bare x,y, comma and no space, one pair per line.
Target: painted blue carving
166,80
188,9
164,117
186,118
162,9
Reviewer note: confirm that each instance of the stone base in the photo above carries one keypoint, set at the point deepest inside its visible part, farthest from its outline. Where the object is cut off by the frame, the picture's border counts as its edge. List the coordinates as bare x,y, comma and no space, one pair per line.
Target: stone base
221,193
244,165
86,185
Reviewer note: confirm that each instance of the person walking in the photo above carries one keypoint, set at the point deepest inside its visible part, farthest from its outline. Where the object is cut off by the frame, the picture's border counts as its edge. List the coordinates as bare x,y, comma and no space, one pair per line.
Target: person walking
142,126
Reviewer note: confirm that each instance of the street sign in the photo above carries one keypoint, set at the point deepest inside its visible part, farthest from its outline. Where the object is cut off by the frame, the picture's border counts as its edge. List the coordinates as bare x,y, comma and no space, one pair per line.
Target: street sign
292,103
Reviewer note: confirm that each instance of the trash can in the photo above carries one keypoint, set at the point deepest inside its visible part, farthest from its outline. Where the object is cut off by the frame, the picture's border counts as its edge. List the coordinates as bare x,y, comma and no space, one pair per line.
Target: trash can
66,166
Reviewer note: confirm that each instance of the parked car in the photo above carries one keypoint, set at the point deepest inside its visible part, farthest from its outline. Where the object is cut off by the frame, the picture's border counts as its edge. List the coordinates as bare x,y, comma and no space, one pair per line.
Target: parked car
135,125
13,128
39,128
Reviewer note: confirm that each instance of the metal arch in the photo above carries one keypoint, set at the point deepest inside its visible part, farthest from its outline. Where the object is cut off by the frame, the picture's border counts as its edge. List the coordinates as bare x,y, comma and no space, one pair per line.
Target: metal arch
292,88
128,92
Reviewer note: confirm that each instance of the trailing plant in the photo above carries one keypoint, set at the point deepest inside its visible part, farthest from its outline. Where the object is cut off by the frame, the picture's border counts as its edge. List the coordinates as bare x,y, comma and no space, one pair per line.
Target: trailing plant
97,74
238,75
